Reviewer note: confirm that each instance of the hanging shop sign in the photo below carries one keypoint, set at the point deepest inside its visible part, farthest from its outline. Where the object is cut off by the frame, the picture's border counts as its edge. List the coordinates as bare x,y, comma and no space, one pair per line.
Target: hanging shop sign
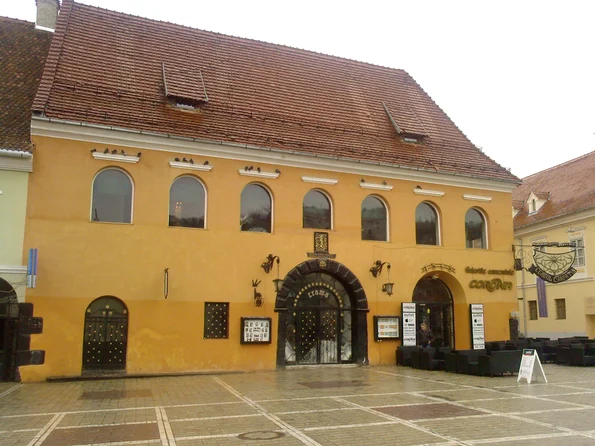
255,330
409,329
386,327
477,327
491,284
553,267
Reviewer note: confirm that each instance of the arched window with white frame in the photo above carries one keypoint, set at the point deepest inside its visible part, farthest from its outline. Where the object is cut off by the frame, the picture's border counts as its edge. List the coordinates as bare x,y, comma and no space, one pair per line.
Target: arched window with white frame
112,196
374,219
427,229
256,209
317,210
187,203
475,229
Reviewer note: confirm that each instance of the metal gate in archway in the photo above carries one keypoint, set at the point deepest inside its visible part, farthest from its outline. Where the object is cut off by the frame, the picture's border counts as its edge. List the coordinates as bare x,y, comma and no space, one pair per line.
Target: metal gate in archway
322,316
106,335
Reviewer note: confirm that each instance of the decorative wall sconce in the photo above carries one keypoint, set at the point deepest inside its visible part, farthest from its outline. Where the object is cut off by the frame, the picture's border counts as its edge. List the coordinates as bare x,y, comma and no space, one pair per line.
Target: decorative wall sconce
267,265
376,269
257,295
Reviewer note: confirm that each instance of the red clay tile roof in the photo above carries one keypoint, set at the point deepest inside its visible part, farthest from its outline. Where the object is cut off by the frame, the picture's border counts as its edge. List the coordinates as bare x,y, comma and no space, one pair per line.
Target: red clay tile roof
105,68
571,189
22,55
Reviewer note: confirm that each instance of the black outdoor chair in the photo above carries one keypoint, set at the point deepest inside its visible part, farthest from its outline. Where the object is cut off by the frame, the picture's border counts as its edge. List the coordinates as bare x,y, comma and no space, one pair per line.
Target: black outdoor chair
433,358
500,362
578,356
404,354
467,361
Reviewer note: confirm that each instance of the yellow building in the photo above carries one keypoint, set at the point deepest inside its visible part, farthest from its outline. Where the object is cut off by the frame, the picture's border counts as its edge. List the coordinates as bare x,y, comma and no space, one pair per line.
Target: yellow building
179,172
22,50
557,206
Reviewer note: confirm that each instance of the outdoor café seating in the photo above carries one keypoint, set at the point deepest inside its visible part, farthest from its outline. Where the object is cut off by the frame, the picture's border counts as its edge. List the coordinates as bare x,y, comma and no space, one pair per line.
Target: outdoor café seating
500,362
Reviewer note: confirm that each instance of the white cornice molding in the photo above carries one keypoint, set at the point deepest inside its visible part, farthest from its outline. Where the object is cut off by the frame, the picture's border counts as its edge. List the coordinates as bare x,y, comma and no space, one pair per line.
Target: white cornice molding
78,131
430,193
183,165
477,197
13,269
16,164
115,157
374,186
571,219
317,180
257,174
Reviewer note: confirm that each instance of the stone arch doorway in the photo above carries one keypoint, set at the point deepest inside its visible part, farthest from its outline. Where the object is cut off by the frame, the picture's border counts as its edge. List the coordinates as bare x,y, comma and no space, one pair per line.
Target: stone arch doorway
106,335
434,306
322,316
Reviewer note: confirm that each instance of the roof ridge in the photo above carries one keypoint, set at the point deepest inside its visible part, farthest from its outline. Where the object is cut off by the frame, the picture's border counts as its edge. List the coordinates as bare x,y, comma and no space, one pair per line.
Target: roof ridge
13,19
249,39
561,164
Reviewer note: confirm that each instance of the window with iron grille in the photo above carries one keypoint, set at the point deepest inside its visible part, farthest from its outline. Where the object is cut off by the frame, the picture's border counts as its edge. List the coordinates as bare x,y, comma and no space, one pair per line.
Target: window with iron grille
579,259
533,310
216,320
560,308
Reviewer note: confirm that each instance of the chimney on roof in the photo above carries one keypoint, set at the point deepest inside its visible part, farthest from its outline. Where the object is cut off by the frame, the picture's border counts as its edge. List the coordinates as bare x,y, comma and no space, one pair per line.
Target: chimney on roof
47,14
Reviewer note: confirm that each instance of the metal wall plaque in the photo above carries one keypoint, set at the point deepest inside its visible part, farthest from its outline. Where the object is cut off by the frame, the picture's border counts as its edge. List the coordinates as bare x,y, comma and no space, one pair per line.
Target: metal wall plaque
255,330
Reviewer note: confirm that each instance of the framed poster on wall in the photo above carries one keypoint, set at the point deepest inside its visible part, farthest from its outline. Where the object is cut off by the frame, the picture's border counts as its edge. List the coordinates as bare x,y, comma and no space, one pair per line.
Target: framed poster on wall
255,330
386,327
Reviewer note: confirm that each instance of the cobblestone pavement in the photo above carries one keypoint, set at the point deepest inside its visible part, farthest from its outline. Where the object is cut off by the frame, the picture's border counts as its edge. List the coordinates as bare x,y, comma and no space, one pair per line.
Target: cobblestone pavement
312,406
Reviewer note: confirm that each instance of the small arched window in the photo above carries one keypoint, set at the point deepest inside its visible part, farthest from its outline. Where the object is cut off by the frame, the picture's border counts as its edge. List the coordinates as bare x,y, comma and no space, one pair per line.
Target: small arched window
187,203
256,209
475,229
426,225
374,219
316,210
112,197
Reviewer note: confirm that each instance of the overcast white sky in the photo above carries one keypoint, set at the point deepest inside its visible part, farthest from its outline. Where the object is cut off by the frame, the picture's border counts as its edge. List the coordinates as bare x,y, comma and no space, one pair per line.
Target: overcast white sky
516,76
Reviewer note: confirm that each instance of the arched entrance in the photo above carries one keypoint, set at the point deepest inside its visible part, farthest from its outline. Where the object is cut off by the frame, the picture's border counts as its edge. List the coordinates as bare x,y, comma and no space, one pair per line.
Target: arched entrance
322,316
106,335
434,306
9,312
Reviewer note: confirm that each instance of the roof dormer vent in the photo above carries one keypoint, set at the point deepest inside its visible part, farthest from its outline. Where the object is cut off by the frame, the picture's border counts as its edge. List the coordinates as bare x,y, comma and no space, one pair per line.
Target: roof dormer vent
185,87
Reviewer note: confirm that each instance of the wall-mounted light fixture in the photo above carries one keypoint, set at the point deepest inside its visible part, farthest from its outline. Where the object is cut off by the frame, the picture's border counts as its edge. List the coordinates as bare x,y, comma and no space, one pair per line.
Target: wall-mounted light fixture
267,265
376,270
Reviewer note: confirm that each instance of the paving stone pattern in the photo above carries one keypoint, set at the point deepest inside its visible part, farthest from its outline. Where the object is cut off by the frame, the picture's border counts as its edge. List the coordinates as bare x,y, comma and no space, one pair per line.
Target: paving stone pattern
335,405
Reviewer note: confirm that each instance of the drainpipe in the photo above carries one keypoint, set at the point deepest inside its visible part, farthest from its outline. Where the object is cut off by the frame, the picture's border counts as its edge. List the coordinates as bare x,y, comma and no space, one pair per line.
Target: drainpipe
523,294
15,153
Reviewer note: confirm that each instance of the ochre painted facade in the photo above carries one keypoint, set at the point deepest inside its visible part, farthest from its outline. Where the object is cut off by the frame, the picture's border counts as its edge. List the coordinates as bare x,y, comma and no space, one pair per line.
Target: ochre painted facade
80,260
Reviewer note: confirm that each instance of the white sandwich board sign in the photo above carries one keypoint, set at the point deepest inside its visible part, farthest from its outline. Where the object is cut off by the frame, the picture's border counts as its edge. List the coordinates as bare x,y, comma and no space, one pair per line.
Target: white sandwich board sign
527,366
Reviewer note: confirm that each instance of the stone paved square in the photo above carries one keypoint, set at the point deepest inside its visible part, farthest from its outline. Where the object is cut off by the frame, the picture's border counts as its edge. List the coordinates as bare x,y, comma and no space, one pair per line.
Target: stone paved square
362,405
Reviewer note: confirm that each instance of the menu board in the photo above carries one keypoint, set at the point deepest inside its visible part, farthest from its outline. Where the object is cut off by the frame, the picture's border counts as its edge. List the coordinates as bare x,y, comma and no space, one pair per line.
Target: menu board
256,330
386,327
409,329
477,327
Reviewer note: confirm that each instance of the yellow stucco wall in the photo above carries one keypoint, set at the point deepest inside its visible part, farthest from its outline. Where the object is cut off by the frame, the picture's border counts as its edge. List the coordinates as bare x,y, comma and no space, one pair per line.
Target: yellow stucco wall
13,205
82,260
575,291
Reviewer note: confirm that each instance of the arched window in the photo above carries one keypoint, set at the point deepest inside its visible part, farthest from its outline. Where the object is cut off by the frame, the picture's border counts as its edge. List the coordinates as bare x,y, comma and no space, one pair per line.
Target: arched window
426,225
317,210
374,219
187,203
475,229
255,209
112,197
